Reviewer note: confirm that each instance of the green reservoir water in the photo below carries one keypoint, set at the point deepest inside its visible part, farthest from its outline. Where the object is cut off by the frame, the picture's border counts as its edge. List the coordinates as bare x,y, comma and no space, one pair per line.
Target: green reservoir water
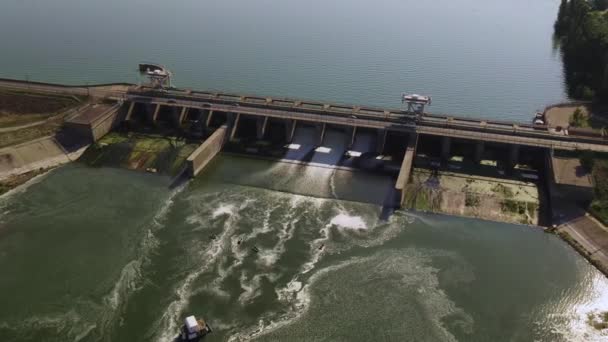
490,58
102,254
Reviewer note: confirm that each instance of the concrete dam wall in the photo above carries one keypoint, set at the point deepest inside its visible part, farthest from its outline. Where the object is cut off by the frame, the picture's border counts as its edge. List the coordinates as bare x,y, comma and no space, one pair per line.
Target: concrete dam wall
205,153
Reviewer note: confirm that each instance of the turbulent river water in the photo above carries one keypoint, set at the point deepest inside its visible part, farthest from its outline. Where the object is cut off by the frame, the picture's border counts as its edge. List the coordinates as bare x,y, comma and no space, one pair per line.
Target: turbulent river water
112,255
101,254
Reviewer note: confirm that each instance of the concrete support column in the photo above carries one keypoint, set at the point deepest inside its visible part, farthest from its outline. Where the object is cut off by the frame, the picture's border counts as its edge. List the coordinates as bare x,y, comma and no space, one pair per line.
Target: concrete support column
235,125
149,112
513,156
209,116
182,115
156,111
479,149
446,145
382,133
130,112
352,137
290,126
406,165
260,125
322,136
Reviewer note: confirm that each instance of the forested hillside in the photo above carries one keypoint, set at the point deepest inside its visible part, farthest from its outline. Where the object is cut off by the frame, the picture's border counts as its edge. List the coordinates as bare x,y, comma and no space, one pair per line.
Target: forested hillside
581,29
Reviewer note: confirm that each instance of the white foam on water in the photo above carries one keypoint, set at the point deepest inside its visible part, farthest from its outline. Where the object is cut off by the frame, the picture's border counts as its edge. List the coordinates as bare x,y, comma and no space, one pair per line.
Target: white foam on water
575,322
131,274
69,323
348,222
85,332
224,209
251,288
332,184
126,282
208,258
267,258
5,199
415,273
294,294
161,213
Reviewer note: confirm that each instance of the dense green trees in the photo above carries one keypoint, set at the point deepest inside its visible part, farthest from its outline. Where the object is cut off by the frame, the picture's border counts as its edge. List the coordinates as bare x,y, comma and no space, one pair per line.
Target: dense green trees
582,31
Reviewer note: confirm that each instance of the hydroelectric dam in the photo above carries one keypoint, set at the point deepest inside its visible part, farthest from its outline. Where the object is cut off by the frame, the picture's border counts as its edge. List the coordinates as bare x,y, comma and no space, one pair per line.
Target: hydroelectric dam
216,118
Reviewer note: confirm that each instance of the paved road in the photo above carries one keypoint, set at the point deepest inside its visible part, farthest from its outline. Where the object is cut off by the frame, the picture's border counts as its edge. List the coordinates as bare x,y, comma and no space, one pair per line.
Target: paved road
380,121
494,131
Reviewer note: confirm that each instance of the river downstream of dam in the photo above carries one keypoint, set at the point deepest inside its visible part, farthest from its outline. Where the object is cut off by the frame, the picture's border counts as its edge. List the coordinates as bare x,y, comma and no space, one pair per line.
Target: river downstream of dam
102,254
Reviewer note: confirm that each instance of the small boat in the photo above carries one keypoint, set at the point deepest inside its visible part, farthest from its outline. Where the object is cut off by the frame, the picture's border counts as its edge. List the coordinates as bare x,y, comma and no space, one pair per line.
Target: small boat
193,330
255,249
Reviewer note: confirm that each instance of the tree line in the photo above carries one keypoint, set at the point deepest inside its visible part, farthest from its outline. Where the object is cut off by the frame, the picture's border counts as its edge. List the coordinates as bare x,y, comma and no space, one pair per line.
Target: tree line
581,30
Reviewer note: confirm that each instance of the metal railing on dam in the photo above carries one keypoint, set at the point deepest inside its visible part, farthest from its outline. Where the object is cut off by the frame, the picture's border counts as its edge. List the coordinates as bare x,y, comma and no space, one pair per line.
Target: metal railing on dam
336,114
392,120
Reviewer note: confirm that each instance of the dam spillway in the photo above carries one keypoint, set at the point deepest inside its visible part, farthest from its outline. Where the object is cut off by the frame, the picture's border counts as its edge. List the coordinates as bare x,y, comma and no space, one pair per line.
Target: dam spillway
376,139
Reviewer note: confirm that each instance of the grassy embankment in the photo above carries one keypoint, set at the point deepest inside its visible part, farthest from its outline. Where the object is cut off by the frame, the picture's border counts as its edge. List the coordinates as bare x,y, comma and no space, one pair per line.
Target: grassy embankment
26,116
597,165
38,114
144,152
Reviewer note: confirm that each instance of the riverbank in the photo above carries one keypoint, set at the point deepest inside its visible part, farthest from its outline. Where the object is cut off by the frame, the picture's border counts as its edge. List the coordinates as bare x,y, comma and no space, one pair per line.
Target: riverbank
14,181
572,185
460,194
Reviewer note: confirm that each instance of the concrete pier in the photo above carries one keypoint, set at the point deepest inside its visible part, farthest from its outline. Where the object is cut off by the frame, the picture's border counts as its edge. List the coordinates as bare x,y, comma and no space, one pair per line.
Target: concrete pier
261,124
406,165
382,133
209,117
446,144
182,115
479,149
322,135
206,152
513,155
235,125
130,111
291,127
155,115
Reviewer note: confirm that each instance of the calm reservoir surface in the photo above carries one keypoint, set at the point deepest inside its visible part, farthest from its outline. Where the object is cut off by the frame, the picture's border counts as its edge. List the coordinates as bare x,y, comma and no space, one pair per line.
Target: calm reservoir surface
112,255
490,58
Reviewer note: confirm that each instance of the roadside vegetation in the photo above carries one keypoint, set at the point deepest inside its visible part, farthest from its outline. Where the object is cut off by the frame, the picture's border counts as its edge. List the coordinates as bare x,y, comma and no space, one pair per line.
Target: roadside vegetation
597,165
581,32
579,119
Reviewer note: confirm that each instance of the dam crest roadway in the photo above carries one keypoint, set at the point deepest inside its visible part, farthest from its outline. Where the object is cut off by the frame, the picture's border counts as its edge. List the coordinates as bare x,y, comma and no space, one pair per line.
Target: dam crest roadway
396,129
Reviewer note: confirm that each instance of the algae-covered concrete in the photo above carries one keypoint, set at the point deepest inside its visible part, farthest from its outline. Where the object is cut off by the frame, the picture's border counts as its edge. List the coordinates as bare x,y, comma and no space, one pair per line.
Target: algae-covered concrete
144,152
474,196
